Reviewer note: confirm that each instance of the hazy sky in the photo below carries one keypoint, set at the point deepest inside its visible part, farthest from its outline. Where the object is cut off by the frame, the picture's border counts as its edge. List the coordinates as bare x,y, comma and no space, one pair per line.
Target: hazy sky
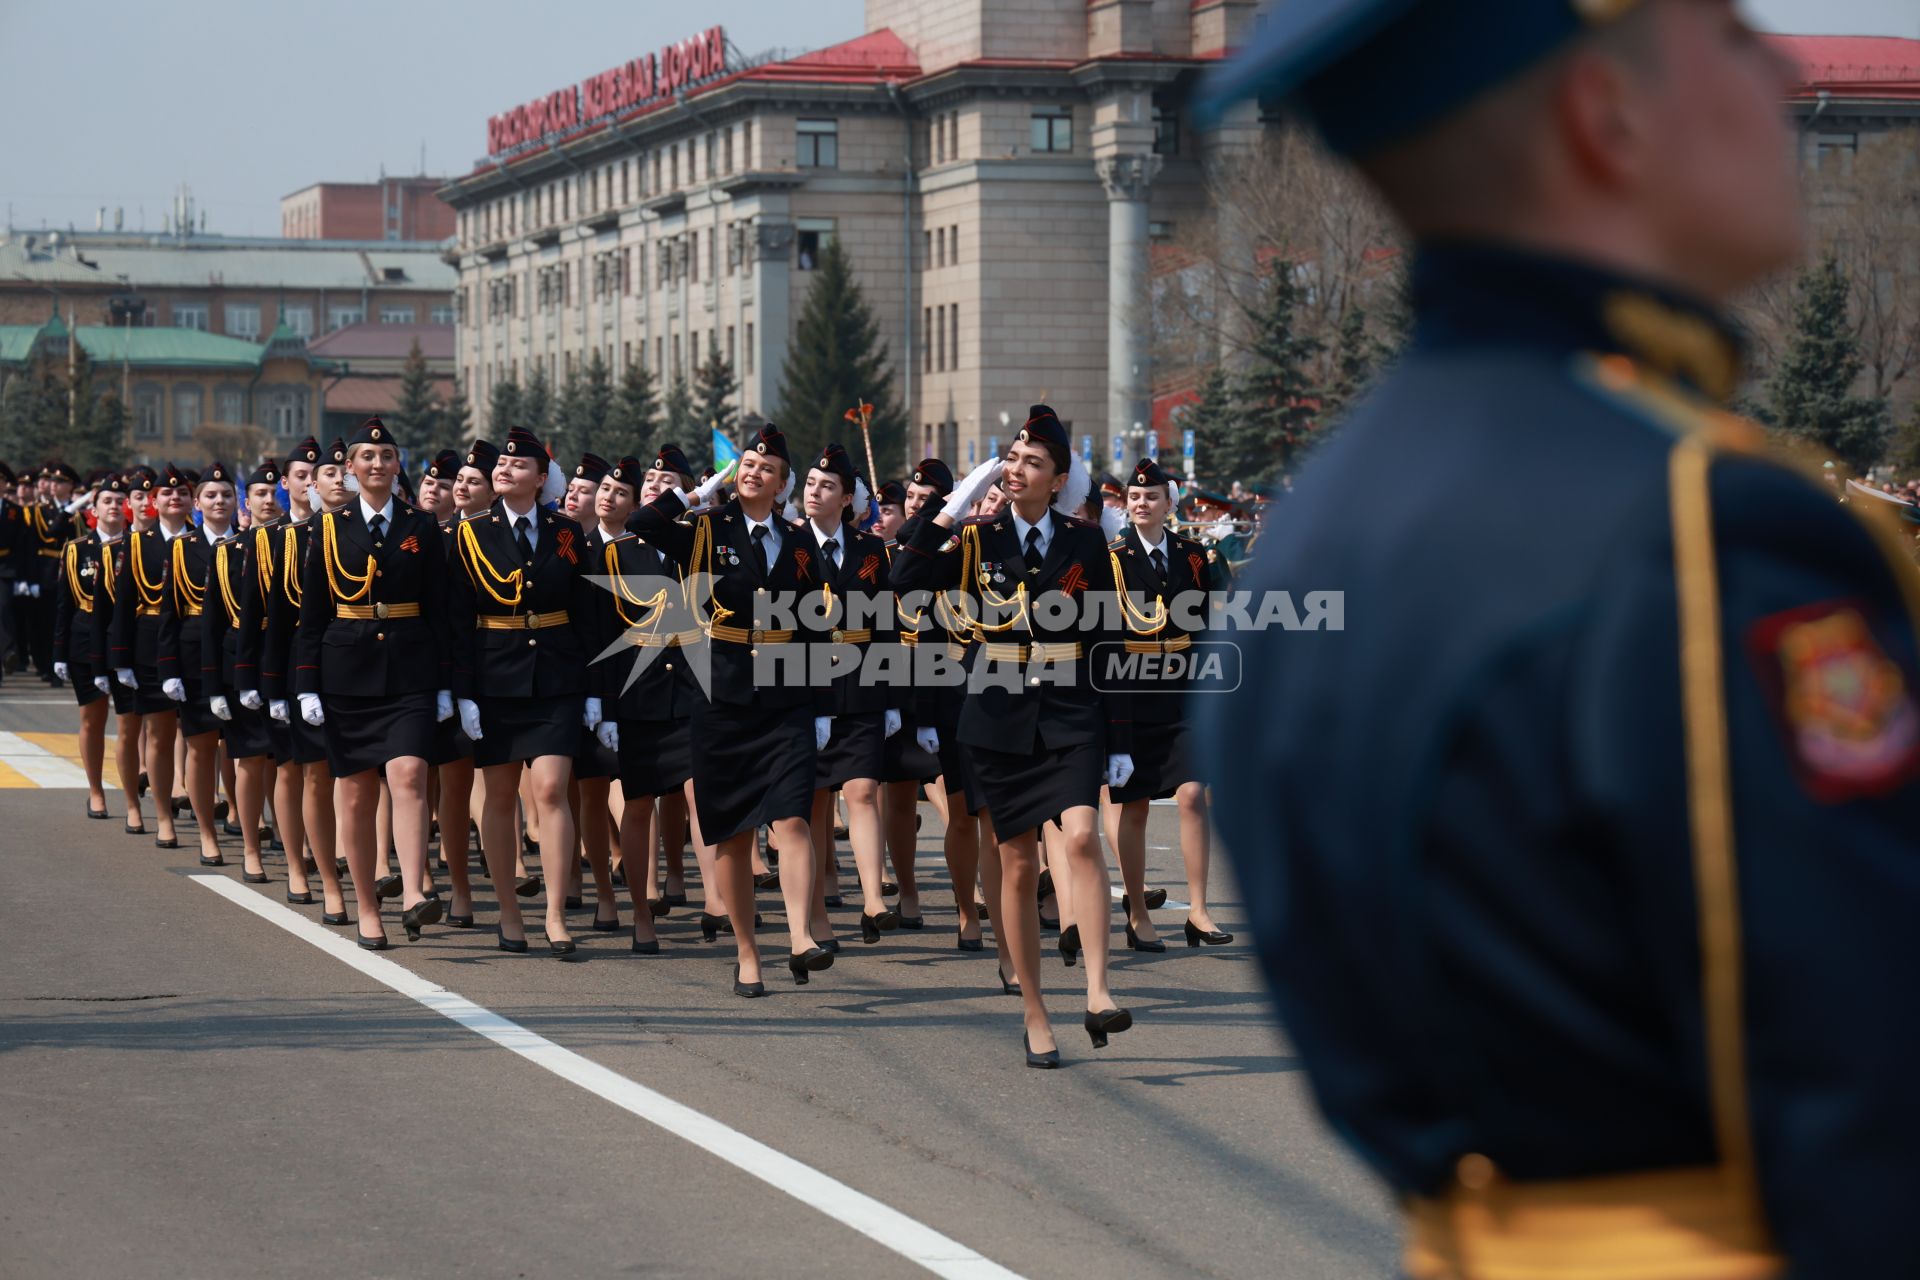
116,103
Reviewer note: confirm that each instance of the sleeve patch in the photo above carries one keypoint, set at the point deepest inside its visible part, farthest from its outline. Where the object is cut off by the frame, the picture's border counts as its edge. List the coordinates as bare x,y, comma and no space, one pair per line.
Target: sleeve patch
1845,707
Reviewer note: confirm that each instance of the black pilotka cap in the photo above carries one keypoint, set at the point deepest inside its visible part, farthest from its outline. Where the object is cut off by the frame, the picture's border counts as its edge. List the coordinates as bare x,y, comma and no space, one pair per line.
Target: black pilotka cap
592,467
892,494
522,443
445,465
481,456
173,476
628,472
834,461
1043,427
58,470
336,453
217,472
307,451
936,474
669,458
1148,472
143,478
265,473
372,431
771,441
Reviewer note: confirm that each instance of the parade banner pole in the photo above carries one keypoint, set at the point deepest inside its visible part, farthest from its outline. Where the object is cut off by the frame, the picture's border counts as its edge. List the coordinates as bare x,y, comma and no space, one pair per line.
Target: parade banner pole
862,413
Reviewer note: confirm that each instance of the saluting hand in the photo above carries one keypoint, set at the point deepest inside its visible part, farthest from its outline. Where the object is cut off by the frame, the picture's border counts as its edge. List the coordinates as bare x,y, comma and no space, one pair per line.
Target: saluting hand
310,709
704,491
968,491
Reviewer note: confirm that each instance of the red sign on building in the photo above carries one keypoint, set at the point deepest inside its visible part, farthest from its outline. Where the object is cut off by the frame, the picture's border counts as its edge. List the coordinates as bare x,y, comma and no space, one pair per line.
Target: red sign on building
648,78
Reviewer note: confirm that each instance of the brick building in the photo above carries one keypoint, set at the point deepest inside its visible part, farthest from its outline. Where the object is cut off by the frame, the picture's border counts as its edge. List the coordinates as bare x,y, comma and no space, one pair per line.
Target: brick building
370,359
390,209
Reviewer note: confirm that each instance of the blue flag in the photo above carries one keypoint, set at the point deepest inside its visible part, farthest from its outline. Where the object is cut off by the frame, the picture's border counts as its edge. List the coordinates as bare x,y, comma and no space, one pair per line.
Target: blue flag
724,450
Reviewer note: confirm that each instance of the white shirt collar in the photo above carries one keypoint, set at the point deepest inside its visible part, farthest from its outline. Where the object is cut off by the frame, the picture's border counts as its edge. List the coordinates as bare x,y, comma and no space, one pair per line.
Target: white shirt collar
1160,546
531,514
1045,526
367,513
824,538
213,539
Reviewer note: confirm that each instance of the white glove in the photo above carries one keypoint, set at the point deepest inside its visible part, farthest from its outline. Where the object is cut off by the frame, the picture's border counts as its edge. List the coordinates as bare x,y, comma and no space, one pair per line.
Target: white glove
591,716
218,705
278,709
60,672
174,689
608,731
100,683
929,739
125,676
968,491
34,590
822,730
704,491
19,588
470,718
250,699
443,705
310,709
1119,769
1113,521
892,722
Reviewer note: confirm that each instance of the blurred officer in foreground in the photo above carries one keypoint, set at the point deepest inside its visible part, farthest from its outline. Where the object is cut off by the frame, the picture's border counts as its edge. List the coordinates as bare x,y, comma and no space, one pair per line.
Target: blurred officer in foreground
1584,858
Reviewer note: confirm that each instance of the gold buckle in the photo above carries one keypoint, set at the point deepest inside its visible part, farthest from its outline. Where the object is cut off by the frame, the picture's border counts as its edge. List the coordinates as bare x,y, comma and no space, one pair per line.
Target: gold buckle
756,635
533,621
380,610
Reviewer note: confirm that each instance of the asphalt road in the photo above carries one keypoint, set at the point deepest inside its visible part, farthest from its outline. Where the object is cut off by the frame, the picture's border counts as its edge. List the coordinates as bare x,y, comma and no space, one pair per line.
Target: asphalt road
190,1090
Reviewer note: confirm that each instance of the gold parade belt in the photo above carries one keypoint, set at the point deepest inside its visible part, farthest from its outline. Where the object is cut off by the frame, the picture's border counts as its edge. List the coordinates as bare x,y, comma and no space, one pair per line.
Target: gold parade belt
671,640
956,649
521,621
850,637
84,606
746,635
380,610
148,610
1668,1224
1025,653
51,555
1174,645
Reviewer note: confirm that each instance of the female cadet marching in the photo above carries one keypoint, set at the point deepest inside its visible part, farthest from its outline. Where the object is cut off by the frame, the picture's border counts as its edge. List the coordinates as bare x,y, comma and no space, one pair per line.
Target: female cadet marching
520,671
244,726
1156,568
370,666
452,758
1040,738
140,591
754,737
854,715
76,658
595,763
182,662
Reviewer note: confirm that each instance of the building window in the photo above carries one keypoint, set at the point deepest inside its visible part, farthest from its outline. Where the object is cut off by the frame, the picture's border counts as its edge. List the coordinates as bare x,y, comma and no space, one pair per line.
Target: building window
940,245
190,315
243,320
186,410
940,139
953,245
1834,152
341,317
926,251
748,362
1166,131
940,339
298,319
746,144
396,315
953,335
441,315
713,251
693,258
732,359
676,357
1160,232
147,411
1053,129
926,339
819,142
287,412
710,152
726,150
953,136
230,405
811,235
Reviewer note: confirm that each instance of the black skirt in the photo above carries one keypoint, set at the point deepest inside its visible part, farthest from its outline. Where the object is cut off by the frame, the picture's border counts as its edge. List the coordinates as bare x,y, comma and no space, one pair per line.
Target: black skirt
309,742
522,729
1161,762
280,738
365,732
196,716
750,767
1022,791
904,760
148,700
450,743
656,757
246,734
856,750
591,761
126,702
80,676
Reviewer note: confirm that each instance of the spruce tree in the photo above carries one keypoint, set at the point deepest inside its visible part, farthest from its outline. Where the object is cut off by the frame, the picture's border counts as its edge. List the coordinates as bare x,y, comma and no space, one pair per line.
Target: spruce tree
416,409
678,421
503,408
453,426
1216,424
1904,451
536,402
566,437
1810,391
634,422
16,417
714,391
595,408
107,440
1280,402
837,360
1353,357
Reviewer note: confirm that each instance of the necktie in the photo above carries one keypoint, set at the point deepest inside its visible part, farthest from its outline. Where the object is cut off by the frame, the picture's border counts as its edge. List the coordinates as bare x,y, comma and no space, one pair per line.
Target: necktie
379,526
1033,549
520,536
1159,558
831,550
760,545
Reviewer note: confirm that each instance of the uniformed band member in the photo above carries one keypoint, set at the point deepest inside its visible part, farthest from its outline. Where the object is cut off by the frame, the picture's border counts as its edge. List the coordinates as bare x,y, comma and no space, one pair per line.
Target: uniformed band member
1582,855
76,656
753,736
181,661
1155,567
854,715
244,722
140,593
518,584
370,664
1041,737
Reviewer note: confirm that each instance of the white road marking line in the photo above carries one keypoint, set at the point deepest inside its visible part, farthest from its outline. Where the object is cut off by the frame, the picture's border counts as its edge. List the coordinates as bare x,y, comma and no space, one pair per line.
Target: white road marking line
911,1239
39,766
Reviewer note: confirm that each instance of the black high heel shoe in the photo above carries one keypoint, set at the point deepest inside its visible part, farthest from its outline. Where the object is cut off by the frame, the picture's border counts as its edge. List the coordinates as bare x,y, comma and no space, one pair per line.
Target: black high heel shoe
871,927
373,944
215,861
1048,1061
300,899
606,926
254,877
660,908
132,830
970,944
335,917
576,902
561,947
513,946
912,922
1007,988
1070,945
747,990
528,887
1134,943
387,887
710,926
173,842
1213,938
97,813
1111,1020
459,922
831,945
1153,898
421,914
675,899
651,947
816,959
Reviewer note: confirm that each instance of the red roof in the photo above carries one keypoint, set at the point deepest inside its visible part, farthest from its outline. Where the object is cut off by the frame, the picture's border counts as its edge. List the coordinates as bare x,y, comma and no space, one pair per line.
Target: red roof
874,56
385,342
375,395
1855,66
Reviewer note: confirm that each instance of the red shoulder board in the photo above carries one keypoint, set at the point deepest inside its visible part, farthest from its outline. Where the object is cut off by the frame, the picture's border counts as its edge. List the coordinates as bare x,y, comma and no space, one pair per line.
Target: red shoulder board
1845,707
